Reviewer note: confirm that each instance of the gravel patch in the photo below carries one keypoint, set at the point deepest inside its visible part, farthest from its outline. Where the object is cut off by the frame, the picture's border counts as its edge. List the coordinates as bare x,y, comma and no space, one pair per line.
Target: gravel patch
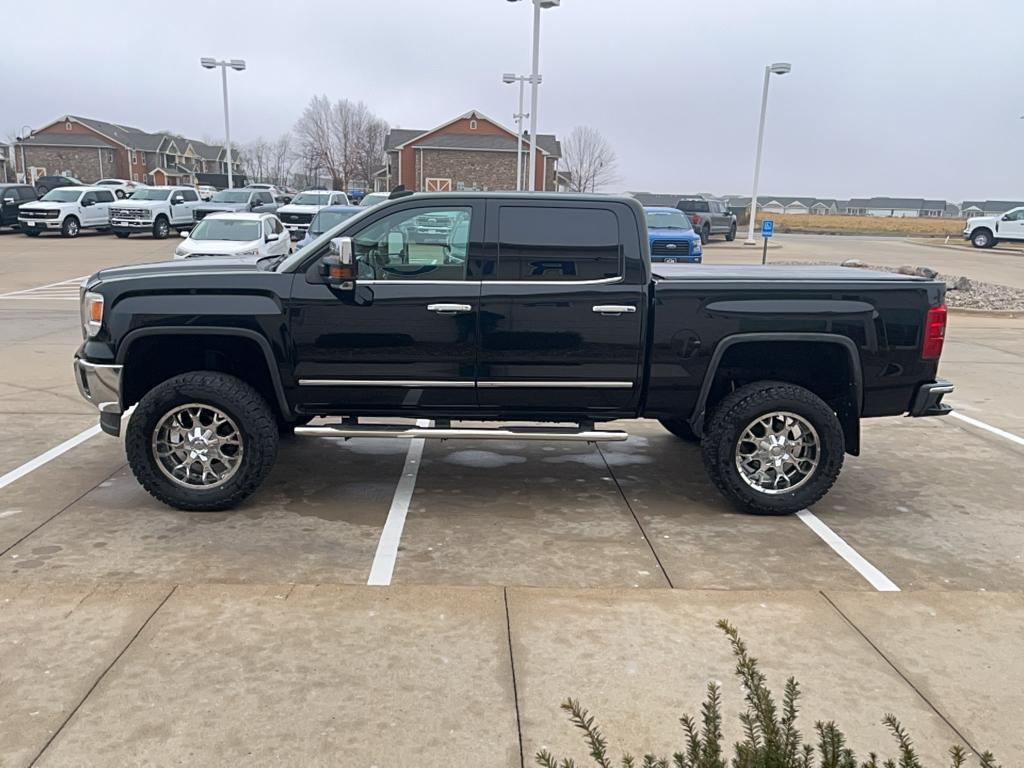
961,291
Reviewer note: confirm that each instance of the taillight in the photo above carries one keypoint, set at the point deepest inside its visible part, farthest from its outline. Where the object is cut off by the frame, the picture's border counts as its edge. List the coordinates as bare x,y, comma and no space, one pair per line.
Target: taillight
695,220
934,333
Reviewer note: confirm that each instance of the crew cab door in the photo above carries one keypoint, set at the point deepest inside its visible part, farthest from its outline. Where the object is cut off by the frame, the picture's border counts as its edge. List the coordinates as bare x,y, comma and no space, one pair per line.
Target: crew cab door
182,212
562,312
406,338
1011,225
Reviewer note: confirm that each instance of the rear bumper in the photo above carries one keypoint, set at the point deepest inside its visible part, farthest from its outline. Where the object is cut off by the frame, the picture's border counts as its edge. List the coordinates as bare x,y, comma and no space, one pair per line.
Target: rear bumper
100,384
928,399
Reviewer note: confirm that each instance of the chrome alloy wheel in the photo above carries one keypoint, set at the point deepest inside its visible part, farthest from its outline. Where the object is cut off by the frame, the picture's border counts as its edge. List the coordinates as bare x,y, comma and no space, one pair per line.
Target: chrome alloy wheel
777,452
197,446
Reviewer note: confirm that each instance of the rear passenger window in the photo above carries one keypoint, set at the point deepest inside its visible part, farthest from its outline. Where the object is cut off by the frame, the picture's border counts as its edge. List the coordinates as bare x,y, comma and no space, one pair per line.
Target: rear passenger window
558,244
27,193
189,195
105,196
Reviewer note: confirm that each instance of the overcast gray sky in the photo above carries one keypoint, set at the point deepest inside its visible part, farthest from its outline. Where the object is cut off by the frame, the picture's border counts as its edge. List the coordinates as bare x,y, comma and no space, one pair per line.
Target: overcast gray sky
894,97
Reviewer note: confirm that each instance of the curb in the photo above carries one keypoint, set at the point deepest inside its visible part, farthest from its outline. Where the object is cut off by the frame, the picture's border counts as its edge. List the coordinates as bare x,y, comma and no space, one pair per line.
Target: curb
740,248
1007,313
967,248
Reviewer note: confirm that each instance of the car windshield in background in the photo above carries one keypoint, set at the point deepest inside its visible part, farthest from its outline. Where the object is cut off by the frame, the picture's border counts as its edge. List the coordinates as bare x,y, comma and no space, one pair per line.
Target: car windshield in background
667,220
61,196
226,229
151,194
327,219
312,198
694,206
373,198
231,196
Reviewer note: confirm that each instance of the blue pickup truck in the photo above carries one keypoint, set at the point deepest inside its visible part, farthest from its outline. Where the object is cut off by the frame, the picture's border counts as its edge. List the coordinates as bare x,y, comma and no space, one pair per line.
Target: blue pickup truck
672,238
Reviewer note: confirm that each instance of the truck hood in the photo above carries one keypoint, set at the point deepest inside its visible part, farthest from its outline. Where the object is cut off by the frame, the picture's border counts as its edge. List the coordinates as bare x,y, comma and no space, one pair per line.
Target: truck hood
672,234
173,268
49,205
982,220
292,208
139,204
215,207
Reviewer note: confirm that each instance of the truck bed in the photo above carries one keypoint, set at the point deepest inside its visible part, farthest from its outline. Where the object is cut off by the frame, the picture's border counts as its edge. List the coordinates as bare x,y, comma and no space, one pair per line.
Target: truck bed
776,273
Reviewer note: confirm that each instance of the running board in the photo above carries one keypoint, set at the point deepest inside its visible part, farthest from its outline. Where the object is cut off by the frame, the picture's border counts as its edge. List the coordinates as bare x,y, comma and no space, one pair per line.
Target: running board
449,433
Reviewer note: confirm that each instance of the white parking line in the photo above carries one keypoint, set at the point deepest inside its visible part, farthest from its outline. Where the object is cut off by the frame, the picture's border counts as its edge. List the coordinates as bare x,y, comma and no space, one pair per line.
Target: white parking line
65,289
989,428
874,577
48,456
387,548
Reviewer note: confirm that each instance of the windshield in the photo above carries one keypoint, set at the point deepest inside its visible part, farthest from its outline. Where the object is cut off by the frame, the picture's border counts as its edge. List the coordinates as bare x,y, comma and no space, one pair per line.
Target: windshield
327,219
373,198
151,194
61,196
231,196
239,230
312,198
695,206
667,220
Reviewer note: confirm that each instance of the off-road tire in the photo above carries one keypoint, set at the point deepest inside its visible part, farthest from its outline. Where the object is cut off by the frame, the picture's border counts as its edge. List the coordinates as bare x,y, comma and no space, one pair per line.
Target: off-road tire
161,228
740,408
122,235
681,429
256,422
982,238
71,227
705,234
731,235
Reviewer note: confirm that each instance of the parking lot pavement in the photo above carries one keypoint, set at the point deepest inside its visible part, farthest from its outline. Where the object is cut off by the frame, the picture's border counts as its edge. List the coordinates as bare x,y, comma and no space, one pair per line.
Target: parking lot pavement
931,504
324,675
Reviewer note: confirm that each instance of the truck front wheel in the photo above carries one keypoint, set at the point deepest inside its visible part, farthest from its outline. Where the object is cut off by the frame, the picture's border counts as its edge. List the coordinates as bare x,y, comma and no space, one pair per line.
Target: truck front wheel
773,448
161,228
705,234
202,441
982,238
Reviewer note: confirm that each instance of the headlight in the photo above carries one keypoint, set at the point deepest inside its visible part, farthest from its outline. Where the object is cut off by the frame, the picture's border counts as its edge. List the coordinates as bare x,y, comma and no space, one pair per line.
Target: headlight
92,313
695,248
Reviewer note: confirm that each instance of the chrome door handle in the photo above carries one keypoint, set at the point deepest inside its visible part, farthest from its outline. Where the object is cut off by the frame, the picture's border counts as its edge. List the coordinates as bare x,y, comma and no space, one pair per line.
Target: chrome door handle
449,309
614,309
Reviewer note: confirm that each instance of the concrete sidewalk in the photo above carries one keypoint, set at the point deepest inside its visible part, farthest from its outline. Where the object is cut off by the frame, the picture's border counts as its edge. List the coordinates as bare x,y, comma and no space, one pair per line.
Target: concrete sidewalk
348,675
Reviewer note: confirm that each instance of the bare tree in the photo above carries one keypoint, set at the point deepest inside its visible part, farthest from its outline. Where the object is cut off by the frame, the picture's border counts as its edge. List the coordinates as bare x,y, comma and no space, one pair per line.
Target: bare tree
317,138
344,139
589,159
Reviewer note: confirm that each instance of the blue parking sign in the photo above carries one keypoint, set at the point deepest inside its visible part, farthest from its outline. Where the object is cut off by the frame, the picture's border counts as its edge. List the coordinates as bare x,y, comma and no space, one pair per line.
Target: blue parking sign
767,228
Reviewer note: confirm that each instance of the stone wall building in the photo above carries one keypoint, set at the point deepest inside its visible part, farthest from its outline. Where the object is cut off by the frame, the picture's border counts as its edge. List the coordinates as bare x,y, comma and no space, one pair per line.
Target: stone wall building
471,152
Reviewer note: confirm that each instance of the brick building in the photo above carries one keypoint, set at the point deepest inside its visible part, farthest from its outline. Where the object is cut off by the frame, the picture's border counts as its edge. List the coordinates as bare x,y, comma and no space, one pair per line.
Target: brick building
469,152
94,149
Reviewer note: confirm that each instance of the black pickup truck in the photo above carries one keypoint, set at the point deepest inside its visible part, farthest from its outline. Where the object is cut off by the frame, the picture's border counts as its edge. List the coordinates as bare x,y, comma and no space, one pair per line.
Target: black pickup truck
536,308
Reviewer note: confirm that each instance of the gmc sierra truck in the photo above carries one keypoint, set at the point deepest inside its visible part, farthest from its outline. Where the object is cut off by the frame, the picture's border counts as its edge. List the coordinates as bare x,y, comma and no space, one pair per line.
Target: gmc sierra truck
537,308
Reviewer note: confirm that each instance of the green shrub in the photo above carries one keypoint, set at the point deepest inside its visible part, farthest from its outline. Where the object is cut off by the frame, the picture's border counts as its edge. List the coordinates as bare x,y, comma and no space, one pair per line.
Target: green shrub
771,739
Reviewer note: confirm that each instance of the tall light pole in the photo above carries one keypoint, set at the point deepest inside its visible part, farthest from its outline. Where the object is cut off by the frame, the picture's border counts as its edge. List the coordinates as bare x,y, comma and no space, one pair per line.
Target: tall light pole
508,77
534,82
238,65
26,133
779,68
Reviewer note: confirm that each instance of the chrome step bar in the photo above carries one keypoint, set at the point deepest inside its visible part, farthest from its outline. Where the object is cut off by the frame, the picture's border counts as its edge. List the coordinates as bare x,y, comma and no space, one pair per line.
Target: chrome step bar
471,433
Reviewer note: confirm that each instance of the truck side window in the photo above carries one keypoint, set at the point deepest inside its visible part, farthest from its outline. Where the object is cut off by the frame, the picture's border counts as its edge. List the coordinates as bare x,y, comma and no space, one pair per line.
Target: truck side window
558,244
189,195
416,244
105,196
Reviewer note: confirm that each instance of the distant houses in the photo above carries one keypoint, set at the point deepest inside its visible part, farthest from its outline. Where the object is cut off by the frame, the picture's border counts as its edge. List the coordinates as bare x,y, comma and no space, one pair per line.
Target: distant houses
896,207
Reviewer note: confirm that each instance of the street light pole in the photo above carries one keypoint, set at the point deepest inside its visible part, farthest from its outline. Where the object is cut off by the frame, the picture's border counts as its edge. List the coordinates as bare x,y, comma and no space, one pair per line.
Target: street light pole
534,82
779,68
26,132
238,65
508,77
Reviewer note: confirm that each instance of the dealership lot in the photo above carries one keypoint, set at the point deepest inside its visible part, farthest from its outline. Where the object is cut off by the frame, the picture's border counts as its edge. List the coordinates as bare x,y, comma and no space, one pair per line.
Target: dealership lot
521,573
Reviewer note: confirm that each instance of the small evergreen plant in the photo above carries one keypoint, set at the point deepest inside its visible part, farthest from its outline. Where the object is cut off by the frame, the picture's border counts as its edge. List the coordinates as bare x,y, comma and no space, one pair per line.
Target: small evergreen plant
771,739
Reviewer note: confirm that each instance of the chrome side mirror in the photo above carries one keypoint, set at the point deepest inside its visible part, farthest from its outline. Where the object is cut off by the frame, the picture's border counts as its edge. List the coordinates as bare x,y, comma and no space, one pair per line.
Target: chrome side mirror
338,267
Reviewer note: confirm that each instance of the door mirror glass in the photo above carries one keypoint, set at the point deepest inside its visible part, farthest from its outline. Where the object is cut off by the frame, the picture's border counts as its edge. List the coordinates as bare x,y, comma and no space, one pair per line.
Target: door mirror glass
8,200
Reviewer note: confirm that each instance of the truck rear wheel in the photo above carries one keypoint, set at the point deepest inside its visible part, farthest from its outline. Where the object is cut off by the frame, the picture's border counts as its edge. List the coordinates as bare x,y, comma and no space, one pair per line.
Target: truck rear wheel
681,429
202,441
773,448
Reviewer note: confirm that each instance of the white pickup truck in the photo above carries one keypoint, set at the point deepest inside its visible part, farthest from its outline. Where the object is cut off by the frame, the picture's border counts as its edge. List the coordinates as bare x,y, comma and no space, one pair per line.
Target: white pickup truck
155,210
67,210
298,214
986,231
